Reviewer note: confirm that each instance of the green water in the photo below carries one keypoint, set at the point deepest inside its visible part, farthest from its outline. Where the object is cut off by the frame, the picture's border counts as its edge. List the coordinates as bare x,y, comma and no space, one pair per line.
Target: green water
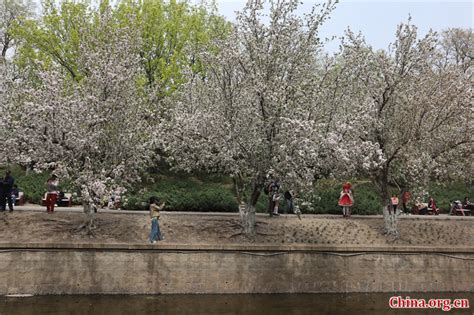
333,304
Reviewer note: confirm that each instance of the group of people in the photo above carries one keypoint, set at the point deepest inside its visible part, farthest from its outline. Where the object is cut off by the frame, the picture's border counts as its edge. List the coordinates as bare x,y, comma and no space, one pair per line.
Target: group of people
346,201
462,207
9,192
423,208
274,196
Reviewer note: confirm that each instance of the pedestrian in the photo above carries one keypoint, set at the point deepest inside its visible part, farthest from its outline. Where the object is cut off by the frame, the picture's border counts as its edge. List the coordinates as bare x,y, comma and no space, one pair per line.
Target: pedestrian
275,197
393,204
52,193
6,193
346,200
289,201
155,208
405,199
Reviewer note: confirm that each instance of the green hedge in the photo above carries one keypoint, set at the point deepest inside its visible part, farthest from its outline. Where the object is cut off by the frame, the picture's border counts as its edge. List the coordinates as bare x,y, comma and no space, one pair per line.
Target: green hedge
184,194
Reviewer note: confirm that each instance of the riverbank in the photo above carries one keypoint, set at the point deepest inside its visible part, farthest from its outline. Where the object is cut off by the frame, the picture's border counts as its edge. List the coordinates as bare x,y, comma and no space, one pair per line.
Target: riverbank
204,253
29,226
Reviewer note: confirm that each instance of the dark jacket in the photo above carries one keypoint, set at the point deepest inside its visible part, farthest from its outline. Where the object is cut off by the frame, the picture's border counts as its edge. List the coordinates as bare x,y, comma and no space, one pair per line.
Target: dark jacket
8,182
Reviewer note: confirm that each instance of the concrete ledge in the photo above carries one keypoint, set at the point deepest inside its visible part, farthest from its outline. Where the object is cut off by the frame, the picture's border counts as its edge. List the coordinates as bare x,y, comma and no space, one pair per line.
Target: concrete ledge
87,268
235,247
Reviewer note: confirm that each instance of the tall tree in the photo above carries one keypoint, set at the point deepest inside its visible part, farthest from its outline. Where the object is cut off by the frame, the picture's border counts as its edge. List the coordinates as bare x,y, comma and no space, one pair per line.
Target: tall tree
416,114
251,112
95,131
54,38
172,33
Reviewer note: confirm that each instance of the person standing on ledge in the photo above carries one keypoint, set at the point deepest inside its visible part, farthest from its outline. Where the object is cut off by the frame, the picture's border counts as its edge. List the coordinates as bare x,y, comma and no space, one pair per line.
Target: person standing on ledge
6,193
155,233
52,193
275,195
393,204
346,199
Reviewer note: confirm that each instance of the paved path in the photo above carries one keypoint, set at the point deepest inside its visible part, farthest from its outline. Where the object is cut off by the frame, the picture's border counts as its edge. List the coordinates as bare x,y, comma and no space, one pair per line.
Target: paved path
34,207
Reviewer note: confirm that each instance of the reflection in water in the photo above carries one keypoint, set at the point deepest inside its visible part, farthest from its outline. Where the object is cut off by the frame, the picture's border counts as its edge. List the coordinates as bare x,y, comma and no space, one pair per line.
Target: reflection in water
333,304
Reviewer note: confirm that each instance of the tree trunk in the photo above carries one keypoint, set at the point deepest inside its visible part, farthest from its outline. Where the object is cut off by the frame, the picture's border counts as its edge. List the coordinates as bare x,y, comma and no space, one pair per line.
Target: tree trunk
247,213
88,206
390,217
247,216
89,217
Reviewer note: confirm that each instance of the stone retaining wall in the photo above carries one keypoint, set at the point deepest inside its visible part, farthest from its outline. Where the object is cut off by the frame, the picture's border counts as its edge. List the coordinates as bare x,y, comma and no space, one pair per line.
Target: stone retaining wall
168,269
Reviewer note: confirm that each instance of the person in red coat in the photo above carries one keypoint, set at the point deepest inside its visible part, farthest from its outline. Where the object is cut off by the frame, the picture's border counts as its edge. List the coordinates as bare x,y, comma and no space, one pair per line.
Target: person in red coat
346,199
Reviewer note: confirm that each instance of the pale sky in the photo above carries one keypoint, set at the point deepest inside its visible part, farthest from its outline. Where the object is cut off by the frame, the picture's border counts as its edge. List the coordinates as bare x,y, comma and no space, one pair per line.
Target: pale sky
377,19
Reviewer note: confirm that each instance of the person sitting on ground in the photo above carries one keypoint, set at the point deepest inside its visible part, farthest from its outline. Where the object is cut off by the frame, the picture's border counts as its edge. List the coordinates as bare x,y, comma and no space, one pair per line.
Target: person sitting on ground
466,204
432,206
457,205
420,208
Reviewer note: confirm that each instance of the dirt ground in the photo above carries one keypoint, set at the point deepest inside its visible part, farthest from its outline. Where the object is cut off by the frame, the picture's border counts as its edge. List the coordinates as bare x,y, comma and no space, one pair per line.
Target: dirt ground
61,227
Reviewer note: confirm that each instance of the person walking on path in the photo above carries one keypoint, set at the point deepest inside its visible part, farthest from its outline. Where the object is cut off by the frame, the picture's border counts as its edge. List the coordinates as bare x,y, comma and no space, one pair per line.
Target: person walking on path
52,193
346,200
155,233
6,192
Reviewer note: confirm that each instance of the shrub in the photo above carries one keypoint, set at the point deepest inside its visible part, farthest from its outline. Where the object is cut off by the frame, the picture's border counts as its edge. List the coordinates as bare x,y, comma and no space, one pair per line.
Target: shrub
184,194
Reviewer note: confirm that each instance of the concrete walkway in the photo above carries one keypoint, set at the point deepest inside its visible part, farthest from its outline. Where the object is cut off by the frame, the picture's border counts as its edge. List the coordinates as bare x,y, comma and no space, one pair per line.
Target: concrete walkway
38,208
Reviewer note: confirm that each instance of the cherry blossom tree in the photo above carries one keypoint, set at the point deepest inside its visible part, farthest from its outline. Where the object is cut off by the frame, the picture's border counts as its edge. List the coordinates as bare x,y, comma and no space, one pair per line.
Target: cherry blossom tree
93,131
418,115
252,112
